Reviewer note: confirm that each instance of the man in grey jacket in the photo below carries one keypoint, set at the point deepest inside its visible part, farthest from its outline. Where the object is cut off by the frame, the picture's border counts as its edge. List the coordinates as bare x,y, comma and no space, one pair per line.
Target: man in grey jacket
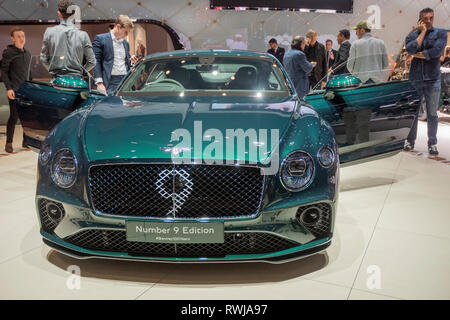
368,57
65,46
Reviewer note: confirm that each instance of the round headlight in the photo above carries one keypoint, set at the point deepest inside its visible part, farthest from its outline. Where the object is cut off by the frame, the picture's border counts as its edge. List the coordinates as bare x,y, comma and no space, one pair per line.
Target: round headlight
326,156
64,168
297,171
45,154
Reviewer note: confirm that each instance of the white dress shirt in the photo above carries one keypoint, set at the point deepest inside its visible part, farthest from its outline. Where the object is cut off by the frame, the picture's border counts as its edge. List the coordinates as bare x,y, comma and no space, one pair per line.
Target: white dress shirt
119,66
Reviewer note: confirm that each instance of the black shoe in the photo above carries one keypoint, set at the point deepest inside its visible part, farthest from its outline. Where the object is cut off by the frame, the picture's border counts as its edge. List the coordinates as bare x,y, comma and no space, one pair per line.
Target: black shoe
408,146
9,147
432,150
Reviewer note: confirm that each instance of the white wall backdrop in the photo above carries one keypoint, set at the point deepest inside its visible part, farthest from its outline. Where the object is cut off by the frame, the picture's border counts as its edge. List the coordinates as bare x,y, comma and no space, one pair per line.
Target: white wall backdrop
201,27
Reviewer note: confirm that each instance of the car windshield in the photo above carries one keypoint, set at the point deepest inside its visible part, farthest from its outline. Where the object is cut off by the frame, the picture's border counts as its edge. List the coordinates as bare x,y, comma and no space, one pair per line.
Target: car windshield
207,75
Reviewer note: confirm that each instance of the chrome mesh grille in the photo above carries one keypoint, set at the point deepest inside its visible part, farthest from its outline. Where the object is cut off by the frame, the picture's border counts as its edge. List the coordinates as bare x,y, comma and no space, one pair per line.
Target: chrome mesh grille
242,243
182,191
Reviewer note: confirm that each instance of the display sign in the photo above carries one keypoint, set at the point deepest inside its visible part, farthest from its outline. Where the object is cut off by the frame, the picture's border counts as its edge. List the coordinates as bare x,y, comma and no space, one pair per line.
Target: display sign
338,5
175,232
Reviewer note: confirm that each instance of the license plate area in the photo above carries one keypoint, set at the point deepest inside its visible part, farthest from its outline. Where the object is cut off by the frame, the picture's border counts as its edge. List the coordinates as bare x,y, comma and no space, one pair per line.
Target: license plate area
175,232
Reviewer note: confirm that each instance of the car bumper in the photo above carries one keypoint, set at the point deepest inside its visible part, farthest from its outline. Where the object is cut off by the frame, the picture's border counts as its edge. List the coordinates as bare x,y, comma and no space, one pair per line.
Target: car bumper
274,236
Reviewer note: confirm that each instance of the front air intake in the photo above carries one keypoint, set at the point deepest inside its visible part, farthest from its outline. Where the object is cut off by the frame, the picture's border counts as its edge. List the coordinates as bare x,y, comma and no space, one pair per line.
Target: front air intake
51,213
316,218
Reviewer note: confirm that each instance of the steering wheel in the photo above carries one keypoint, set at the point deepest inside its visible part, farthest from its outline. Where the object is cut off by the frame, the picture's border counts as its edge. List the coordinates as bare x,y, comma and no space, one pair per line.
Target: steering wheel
170,81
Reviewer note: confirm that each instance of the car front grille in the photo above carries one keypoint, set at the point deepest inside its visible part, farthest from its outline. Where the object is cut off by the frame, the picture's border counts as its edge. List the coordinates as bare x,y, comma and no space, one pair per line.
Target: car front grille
234,244
176,191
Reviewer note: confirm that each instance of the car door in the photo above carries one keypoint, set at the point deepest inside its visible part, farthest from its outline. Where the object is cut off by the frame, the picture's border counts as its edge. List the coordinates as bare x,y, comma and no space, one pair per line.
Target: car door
370,120
41,106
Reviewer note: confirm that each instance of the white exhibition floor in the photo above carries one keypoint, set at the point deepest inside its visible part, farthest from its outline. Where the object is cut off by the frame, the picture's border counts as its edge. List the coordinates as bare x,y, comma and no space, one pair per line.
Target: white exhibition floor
393,217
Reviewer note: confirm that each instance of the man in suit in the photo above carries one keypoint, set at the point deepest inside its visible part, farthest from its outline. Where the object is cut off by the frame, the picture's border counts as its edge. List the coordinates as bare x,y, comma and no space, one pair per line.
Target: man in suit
315,51
331,53
343,53
275,50
112,52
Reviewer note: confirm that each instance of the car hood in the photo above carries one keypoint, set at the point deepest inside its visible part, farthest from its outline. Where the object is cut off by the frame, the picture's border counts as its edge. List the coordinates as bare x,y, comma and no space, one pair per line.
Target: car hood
142,128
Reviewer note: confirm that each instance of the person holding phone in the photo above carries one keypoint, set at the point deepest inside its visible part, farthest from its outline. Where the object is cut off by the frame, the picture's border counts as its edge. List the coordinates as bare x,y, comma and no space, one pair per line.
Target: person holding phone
425,45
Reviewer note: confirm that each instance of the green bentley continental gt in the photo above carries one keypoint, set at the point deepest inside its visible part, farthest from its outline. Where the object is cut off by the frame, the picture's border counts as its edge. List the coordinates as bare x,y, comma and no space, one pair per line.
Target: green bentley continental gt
203,156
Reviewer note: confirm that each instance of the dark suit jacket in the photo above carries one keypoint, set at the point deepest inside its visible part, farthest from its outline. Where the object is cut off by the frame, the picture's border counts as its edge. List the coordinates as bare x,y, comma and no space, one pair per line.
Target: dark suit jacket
279,54
318,54
342,56
104,54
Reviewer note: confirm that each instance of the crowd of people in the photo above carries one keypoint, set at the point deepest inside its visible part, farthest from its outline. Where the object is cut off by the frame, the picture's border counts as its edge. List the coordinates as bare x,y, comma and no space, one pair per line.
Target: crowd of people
68,51
309,63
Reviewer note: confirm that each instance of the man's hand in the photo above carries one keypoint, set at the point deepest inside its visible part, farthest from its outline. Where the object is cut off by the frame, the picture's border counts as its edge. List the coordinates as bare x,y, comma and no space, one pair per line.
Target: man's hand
314,63
330,70
422,27
134,59
323,84
11,94
408,60
419,55
101,87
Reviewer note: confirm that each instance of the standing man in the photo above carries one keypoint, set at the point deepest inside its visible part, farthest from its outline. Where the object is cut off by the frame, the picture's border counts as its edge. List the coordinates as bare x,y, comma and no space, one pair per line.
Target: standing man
65,47
331,53
298,67
275,50
15,71
368,56
343,38
315,51
426,45
112,52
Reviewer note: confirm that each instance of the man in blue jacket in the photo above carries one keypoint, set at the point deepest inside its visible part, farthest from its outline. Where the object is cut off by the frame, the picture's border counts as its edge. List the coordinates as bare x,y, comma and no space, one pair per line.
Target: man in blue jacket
112,52
426,45
297,66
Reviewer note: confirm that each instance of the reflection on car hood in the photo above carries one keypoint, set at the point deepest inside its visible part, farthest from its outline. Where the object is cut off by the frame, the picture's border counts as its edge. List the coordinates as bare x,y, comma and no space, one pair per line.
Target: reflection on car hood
125,128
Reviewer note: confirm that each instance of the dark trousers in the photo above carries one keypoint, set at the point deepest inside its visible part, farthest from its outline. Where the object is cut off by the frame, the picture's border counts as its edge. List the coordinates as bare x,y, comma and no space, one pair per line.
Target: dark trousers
113,84
12,121
312,82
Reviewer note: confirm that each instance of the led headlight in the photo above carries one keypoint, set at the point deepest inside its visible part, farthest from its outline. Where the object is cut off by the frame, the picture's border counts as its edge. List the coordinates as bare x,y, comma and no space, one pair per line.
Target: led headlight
297,171
45,154
326,157
64,168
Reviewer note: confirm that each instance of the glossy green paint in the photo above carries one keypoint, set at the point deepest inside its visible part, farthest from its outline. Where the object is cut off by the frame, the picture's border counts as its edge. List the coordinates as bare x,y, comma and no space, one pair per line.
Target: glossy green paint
131,129
151,122
343,81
